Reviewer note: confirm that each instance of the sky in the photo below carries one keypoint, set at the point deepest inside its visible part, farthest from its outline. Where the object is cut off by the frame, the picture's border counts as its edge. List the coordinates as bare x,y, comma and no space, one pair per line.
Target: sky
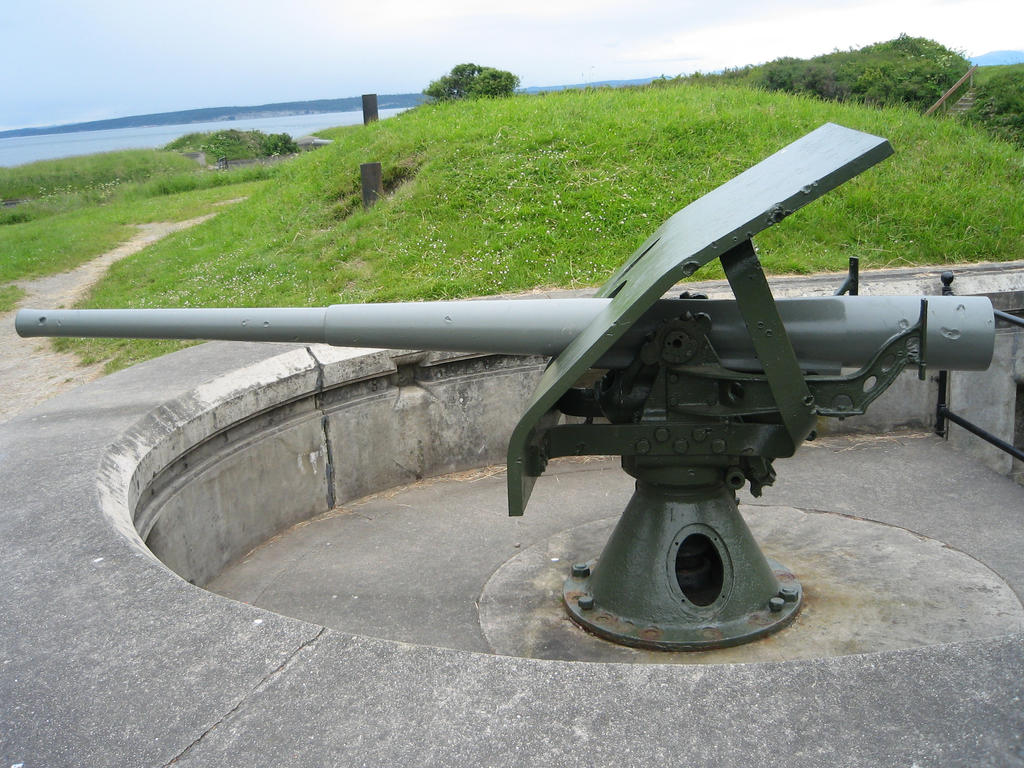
75,60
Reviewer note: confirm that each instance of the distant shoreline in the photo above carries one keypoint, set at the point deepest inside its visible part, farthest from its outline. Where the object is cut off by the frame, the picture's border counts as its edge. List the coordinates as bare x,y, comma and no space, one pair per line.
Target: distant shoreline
277,109
223,114
19,150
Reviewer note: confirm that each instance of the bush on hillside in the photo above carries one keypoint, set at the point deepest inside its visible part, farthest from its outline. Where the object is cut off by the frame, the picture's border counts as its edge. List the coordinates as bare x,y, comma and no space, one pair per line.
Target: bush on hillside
235,145
472,81
803,76
908,70
278,144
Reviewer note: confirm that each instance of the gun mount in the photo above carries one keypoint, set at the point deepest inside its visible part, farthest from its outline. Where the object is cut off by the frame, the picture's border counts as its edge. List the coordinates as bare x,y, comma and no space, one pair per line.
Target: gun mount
698,397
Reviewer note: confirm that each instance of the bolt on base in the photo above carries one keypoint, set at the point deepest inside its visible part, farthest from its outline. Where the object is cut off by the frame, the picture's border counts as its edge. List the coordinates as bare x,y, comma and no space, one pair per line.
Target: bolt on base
778,612
681,571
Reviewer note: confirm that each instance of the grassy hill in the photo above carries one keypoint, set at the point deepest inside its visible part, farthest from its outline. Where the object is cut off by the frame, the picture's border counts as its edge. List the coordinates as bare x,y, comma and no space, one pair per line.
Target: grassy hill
507,195
99,173
77,208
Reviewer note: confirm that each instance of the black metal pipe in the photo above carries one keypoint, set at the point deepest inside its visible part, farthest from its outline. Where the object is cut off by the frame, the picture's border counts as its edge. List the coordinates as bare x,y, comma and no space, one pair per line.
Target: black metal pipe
983,434
851,284
1008,317
940,406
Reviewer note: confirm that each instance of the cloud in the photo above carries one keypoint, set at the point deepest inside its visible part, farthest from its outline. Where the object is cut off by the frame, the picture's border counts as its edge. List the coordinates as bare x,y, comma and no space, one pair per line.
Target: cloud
117,57
809,30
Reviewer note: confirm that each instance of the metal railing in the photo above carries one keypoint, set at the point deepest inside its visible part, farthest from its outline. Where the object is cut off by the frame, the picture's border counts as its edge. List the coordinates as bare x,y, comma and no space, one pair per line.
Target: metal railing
851,285
942,412
945,97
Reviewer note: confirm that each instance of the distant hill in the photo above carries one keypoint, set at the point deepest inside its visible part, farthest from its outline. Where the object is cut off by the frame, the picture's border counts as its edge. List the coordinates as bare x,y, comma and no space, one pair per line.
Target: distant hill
212,114
997,58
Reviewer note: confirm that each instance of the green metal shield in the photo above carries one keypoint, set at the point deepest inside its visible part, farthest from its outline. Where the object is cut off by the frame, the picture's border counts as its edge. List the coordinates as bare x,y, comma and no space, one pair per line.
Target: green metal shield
705,230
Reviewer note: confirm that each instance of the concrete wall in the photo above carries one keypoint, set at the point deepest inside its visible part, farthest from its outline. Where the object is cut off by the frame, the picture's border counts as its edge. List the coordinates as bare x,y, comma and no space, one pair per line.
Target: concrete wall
338,426
992,400
432,415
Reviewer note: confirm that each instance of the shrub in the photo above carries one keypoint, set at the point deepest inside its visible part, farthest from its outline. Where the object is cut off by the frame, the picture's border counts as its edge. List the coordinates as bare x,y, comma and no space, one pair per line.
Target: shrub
908,70
999,105
233,144
278,144
494,83
470,81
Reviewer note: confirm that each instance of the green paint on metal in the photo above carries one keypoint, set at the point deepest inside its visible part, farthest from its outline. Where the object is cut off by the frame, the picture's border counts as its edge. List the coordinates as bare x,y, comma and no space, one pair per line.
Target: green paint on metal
771,342
701,232
682,572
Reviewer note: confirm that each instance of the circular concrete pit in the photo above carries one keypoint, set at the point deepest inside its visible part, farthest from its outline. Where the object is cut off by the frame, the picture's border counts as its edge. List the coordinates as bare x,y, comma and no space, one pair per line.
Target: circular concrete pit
422,563
381,603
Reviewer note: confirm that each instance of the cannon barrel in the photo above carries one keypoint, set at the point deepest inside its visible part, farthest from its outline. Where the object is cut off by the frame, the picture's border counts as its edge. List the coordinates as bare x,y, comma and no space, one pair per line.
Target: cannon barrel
826,332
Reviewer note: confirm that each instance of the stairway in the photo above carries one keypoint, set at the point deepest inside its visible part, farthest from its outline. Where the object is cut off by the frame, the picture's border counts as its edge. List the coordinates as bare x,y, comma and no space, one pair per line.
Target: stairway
965,103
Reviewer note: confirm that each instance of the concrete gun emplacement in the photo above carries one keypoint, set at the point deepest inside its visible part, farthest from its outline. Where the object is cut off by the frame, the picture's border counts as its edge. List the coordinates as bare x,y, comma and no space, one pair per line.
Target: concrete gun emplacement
697,396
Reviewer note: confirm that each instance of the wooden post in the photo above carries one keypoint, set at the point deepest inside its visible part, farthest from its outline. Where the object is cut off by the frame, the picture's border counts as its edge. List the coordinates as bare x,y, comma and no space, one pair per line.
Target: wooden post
369,108
372,178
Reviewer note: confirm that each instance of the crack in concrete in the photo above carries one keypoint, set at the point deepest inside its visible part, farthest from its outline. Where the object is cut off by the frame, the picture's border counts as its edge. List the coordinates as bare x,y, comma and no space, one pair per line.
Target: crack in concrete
264,681
325,425
329,470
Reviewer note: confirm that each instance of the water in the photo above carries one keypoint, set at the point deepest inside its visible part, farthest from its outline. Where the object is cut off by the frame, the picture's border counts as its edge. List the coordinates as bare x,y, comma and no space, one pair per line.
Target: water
27,149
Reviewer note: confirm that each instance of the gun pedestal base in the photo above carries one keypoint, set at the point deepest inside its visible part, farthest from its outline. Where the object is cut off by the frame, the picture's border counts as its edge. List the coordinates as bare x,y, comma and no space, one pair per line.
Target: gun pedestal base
681,572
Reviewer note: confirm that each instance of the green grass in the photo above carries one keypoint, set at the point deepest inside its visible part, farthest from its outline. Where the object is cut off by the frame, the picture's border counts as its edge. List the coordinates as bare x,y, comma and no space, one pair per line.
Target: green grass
984,74
501,196
62,242
999,103
9,297
98,193
98,174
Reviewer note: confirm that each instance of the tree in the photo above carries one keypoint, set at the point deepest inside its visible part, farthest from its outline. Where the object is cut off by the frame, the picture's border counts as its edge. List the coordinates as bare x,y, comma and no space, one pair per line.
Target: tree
472,81
494,82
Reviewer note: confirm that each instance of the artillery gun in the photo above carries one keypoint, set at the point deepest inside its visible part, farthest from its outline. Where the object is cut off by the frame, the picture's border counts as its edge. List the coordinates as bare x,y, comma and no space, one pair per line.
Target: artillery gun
697,396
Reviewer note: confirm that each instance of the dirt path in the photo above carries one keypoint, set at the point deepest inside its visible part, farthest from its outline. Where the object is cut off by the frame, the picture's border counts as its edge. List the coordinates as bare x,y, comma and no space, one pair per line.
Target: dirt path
30,370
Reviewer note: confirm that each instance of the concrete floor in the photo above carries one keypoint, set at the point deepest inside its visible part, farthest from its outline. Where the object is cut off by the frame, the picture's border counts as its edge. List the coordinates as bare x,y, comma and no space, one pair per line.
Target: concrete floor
109,658
888,557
